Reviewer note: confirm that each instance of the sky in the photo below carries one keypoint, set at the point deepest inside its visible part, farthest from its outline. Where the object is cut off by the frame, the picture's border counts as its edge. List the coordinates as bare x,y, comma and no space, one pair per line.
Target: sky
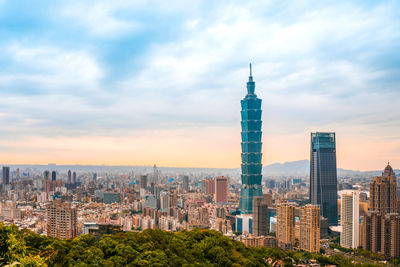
160,82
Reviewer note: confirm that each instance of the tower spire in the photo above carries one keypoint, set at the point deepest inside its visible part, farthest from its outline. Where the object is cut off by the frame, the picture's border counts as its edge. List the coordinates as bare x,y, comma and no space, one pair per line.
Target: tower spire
250,70
250,84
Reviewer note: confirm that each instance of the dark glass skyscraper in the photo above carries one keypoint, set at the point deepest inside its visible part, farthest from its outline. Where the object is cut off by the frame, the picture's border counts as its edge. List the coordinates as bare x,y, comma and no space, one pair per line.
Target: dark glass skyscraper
6,175
251,148
323,175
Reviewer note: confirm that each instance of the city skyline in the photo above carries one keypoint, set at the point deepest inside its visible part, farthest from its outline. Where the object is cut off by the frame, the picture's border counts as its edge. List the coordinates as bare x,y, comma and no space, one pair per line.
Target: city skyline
105,84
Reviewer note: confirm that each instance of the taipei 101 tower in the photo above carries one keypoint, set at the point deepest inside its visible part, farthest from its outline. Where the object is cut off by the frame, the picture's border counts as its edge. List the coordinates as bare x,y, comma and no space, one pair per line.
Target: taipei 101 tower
251,148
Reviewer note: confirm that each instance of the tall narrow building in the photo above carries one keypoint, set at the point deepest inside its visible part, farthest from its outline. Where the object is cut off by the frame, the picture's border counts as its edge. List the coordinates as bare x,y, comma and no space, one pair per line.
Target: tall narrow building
390,243
371,229
6,175
323,175
53,175
310,228
46,181
185,183
380,230
221,189
383,192
260,217
143,181
251,148
349,237
285,225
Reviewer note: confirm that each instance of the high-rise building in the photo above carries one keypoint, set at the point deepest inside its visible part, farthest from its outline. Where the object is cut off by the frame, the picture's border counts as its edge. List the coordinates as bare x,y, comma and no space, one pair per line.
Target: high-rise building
53,175
380,229
74,178
209,186
260,217
143,181
221,189
371,231
61,220
69,177
349,237
6,175
285,228
185,183
251,148
323,175
381,233
155,176
310,228
46,181
383,192
390,243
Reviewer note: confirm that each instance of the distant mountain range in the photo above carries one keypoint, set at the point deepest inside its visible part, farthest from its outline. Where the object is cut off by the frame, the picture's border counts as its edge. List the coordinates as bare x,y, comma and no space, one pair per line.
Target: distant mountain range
302,167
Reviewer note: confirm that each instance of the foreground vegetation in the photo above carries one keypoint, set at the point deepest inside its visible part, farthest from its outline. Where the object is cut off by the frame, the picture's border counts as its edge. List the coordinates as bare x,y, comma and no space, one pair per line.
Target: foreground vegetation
147,248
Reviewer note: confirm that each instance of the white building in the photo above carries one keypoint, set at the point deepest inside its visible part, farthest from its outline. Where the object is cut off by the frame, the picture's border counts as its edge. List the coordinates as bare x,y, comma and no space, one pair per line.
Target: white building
349,237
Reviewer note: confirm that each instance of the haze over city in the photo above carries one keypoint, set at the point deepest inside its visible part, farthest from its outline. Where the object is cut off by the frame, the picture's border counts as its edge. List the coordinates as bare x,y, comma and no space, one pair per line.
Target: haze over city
138,83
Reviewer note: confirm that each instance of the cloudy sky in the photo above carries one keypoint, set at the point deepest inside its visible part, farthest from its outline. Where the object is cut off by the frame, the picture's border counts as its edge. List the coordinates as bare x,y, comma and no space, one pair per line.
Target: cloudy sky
144,82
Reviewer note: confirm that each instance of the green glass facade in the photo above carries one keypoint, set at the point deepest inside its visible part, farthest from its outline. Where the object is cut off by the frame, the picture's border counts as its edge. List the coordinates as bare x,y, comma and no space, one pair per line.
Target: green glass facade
251,148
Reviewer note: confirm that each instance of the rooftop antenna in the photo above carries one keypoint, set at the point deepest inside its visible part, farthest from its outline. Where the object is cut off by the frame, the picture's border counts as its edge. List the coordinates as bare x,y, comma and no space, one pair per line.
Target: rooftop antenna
250,70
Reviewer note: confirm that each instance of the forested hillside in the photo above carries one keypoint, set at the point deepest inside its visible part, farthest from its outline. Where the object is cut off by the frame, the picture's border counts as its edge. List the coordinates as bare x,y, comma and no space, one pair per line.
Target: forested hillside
147,248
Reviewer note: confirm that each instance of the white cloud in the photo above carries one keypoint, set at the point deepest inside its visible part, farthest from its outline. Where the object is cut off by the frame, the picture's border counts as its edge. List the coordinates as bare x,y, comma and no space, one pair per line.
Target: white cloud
313,65
99,19
50,68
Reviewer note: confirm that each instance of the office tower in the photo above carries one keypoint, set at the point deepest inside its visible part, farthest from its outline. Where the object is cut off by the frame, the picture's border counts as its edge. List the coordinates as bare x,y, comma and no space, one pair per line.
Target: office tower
69,177
371,232
221,189
251,148
310,228
390,240
209,184
185,183
6,175
95,177
164,197
143,181
53,176
74,178
18,173
46,181
61,220
155,176
173,200
285,229
349,237
323,175
157,191
383,192
260,217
